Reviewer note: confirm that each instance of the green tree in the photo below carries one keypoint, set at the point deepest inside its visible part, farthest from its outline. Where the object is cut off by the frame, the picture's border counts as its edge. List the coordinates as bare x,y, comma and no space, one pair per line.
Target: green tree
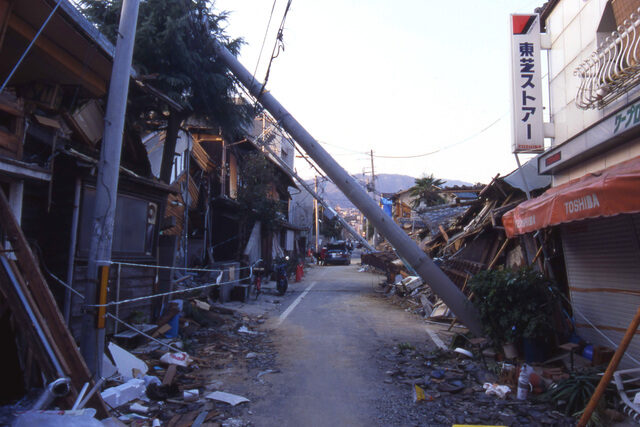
256,194
174,51
331,228
426,191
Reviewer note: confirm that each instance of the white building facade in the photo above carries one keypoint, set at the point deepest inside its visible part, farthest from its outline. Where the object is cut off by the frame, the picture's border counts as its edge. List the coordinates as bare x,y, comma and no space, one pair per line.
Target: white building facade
594,162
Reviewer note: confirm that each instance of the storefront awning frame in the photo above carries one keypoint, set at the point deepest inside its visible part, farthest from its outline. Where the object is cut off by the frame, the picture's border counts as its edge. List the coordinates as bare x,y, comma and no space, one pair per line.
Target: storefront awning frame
609,192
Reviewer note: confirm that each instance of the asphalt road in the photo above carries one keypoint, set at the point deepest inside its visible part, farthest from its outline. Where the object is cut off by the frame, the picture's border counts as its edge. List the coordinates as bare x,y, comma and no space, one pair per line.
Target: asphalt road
327,336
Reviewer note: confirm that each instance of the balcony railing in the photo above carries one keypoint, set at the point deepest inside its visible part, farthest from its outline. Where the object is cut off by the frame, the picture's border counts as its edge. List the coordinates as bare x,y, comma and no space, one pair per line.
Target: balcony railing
613,68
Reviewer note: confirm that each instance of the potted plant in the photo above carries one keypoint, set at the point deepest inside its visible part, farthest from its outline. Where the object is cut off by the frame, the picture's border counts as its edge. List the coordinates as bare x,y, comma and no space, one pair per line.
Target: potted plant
514,305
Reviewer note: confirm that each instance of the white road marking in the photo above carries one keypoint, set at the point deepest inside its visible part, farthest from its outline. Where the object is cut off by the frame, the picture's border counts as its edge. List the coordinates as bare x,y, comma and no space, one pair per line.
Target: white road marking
436,339
294,304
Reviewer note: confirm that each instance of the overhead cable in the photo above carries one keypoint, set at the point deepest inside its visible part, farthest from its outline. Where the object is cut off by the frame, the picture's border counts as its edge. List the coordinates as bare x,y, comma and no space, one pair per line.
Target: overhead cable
480,132
279,44
264,39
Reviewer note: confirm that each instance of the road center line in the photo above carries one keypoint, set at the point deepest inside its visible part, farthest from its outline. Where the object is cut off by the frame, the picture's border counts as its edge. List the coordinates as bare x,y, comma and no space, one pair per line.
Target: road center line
294,304
436,339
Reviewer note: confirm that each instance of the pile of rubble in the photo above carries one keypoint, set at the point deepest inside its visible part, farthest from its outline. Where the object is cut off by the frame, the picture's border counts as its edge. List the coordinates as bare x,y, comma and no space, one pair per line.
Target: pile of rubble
472,242
189,378
451,388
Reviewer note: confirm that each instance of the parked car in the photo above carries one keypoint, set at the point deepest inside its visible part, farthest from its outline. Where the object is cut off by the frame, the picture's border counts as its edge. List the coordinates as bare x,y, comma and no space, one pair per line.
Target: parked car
338,253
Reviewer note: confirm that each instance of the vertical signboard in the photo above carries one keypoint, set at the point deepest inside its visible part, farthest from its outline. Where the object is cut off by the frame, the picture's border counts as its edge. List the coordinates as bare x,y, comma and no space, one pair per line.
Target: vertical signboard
527,127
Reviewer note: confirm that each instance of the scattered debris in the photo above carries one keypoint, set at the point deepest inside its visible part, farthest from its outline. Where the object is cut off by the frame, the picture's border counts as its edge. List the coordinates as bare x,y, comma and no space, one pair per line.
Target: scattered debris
463,352
180,359
127,364
452,388
190,395
231,399
244,330
124,393
496,390
136,407
218,343
76,418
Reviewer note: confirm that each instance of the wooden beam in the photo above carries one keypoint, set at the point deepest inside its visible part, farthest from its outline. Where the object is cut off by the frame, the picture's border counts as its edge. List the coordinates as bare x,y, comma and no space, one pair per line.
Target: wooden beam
608,374
444,233
495,259
93,82
5,12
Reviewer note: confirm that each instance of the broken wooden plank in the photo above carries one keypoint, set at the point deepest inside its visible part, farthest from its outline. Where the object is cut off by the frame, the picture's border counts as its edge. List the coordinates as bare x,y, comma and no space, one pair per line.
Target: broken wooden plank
21,325
46,304
443,232
161,330
169,375
495,259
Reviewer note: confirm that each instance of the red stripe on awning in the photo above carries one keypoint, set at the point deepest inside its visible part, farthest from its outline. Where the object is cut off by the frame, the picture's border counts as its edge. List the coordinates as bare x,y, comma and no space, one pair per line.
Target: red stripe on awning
609,192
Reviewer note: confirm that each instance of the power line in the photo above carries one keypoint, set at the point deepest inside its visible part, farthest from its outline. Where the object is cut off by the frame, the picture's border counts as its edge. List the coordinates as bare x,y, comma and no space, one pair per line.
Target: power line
264,39
279,43
480,132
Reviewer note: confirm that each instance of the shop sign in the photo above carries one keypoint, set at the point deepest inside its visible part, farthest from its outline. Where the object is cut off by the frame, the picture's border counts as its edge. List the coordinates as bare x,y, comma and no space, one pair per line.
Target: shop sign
526,77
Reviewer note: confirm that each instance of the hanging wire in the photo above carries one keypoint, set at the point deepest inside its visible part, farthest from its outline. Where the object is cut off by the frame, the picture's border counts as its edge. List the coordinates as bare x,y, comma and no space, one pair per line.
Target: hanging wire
595,328
279,44
264,39
446,147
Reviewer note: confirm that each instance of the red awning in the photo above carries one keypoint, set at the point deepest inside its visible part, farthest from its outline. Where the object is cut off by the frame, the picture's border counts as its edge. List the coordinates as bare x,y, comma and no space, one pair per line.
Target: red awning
609,192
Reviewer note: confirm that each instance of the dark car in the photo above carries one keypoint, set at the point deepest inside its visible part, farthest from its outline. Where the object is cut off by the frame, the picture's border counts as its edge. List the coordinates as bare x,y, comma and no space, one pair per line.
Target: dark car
338,253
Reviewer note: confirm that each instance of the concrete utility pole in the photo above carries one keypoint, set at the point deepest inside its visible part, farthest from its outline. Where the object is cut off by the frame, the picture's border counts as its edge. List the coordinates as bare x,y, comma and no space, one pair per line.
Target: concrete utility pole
407,248
92,345
318,199
317,217
373,192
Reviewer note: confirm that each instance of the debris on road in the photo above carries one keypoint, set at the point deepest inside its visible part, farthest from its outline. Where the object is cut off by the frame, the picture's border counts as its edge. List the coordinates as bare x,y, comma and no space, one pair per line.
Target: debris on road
221,346
496,390
231,399
180,359
454,389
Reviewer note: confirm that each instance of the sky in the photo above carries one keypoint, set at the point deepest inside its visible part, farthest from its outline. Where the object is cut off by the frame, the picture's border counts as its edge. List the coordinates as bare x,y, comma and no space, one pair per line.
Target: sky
401,78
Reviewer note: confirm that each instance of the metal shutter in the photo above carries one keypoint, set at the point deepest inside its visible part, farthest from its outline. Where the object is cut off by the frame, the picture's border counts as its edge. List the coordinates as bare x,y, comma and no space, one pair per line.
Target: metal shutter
603,268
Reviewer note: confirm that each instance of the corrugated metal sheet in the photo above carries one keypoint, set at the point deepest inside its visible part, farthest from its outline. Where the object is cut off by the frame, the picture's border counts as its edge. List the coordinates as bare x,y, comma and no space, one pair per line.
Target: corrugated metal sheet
603,268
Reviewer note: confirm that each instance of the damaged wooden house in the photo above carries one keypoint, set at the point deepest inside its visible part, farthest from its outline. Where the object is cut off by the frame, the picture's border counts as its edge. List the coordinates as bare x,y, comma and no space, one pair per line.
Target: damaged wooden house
210,219
51,124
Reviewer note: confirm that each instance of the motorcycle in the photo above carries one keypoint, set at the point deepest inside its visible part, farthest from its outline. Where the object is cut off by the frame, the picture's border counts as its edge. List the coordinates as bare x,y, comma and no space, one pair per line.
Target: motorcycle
281,276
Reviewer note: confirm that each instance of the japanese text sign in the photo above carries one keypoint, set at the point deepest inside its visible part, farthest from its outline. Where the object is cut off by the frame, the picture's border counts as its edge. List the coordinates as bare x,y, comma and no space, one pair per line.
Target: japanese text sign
527,126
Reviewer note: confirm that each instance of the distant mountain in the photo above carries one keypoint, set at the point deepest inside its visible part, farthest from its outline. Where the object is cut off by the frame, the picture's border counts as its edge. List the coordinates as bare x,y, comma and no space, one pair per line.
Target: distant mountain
385,183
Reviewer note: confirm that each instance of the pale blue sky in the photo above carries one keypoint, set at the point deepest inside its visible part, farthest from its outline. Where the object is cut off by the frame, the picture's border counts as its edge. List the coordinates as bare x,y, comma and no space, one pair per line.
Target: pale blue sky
402,78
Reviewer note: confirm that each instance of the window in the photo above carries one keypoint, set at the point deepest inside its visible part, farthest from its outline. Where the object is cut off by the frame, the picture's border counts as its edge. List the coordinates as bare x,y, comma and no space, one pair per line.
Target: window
134,227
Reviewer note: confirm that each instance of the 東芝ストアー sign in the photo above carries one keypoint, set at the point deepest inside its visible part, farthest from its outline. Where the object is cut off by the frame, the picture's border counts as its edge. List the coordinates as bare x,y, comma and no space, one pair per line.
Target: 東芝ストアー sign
527,126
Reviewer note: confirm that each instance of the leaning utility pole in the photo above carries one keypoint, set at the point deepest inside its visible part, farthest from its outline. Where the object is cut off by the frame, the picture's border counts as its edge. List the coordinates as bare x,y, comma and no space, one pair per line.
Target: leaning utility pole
318,199
317,217
407,248
92,344
373,192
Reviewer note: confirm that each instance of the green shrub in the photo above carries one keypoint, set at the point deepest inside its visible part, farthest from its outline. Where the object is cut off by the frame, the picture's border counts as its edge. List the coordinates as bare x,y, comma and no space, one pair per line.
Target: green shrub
514,304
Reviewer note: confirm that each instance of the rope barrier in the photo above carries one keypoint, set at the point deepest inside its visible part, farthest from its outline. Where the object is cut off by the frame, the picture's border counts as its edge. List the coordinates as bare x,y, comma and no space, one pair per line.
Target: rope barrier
168,267
195,288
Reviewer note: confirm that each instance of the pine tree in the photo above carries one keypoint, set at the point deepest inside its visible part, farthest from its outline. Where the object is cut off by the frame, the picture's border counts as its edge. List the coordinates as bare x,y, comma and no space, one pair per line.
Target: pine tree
174,51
